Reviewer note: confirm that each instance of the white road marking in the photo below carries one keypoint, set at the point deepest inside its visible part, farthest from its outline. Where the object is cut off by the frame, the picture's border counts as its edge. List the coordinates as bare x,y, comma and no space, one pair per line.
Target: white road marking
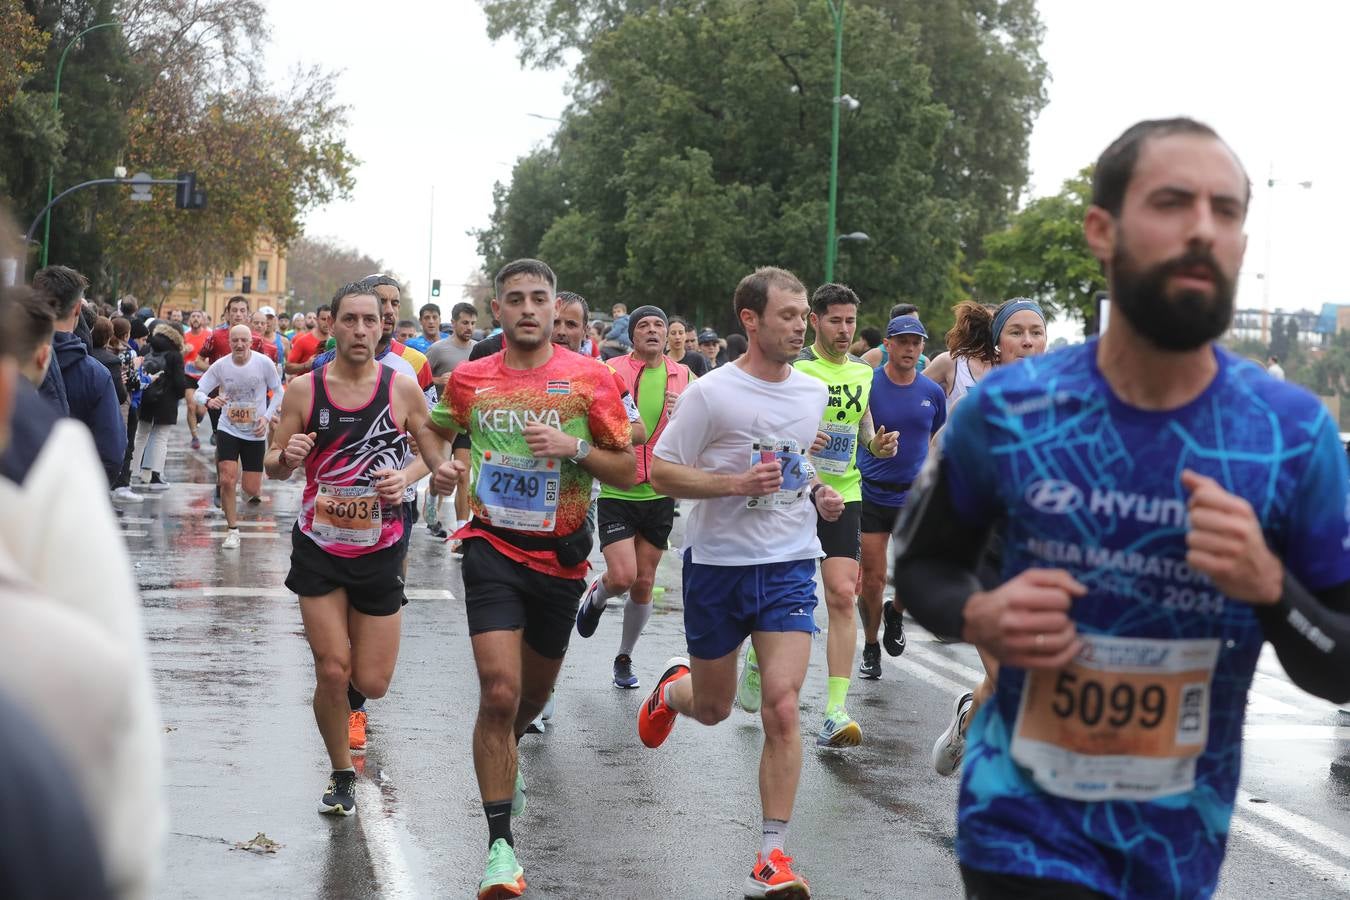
1301,825
278,593
382,840
133,533
1299,856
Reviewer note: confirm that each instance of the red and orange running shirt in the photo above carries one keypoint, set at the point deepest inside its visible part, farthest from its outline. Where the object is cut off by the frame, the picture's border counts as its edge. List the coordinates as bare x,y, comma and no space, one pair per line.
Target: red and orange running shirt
512,489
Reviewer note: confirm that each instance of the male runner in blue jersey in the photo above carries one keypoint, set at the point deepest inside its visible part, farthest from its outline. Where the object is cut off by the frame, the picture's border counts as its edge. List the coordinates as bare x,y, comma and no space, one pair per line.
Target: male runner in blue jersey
1166,508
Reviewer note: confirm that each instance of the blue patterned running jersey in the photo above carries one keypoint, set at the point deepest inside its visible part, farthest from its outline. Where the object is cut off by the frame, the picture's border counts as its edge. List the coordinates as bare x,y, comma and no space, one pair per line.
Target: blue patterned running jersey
1119,771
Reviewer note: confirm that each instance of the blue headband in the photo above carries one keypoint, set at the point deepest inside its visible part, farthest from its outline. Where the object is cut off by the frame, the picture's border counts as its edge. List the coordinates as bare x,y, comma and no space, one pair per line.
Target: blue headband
1007,311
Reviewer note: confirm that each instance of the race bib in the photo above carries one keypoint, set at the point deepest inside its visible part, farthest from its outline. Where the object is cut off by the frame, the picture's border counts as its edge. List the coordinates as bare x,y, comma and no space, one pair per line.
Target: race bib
241,415
347,514
797,472
837,455
519,492
1126,720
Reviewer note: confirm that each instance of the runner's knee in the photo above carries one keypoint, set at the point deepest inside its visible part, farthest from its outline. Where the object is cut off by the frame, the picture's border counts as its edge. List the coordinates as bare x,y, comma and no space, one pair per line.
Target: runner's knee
498,700
642,587
621,577
333,672
780,715
711,710
373,687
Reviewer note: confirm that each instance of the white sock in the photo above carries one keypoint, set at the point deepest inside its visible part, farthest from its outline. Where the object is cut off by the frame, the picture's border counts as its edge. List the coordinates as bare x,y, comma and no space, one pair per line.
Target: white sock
635,616
775,834
602,594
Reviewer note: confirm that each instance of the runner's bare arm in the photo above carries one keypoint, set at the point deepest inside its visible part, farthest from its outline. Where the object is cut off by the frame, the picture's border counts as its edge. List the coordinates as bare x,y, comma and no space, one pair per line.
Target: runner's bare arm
288,437
689,483
941,368
412,409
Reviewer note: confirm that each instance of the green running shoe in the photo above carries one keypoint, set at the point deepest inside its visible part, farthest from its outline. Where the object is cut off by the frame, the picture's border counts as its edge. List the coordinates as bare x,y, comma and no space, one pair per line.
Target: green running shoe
748,690
518,798
503,877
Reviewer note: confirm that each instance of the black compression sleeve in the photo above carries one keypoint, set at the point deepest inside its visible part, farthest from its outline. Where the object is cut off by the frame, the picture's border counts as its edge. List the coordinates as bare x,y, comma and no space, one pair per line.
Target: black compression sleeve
937,555
1311,635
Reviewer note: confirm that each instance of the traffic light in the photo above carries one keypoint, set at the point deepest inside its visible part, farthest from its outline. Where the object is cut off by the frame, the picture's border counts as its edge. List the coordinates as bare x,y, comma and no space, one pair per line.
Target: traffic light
435,287
189,196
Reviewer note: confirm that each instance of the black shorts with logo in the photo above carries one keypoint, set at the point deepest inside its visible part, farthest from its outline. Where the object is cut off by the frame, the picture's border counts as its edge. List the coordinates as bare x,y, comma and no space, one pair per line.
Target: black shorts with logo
249,453
373,581
622,519
842,537
410,517
878,519
504,595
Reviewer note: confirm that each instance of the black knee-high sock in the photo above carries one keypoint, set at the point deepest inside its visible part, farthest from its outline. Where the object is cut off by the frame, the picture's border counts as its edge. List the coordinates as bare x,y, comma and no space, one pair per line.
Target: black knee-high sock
355,699
499,821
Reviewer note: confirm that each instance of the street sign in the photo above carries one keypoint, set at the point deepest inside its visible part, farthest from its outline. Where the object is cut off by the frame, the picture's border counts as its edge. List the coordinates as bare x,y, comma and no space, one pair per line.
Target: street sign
140,186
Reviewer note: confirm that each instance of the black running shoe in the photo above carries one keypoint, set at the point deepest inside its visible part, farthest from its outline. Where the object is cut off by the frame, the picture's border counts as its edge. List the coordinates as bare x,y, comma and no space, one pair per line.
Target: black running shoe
623,672
340,798
437,531
871,662
893,629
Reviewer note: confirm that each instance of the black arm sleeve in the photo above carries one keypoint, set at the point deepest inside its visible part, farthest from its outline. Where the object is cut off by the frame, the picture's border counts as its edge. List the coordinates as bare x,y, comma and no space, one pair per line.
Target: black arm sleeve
937,557
1310,632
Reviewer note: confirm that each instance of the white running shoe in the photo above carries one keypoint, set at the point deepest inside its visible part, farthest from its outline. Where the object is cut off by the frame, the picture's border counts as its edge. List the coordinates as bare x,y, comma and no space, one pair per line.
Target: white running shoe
950,747
127,495
231,541
550,707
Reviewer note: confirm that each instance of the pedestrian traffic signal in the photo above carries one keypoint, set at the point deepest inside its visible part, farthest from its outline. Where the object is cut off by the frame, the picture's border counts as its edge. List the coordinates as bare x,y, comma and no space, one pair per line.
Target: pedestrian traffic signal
435,287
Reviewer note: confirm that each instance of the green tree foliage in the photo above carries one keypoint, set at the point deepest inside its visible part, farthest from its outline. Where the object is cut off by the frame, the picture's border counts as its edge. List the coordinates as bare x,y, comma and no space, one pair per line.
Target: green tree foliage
1042,254
171,88
982,58
697,147
21,46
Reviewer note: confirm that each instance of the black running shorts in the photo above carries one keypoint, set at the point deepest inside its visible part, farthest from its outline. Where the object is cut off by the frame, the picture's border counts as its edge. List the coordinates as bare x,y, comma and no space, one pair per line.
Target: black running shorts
503,595
374,582
981,885
622,519
410,517
249,453
461,442
878,519
842,537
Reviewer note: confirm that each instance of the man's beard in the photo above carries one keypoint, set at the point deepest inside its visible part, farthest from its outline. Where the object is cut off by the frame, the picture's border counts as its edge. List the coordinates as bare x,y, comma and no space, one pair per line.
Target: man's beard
528,342
1179,323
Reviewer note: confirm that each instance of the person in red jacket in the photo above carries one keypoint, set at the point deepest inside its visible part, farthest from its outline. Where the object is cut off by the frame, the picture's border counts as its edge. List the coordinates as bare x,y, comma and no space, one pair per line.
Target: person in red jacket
635,524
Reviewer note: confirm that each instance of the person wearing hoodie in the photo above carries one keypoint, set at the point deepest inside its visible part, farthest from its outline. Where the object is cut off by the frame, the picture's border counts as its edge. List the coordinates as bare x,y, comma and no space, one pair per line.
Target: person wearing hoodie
27,331
89,388
159,402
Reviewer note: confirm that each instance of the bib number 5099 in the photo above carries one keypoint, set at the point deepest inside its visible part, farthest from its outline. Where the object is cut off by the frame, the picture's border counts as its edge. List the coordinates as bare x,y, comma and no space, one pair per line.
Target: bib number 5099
1089,701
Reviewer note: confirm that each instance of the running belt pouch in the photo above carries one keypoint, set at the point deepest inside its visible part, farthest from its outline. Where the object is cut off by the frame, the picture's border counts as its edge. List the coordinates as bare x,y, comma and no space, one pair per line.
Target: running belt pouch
574,549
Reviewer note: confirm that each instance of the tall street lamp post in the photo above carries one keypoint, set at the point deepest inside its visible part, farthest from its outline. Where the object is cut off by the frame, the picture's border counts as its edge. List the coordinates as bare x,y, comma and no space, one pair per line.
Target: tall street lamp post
831,247
56,106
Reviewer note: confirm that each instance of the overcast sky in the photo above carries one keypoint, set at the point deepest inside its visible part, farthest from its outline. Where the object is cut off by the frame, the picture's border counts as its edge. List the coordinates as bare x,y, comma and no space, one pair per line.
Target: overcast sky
437,106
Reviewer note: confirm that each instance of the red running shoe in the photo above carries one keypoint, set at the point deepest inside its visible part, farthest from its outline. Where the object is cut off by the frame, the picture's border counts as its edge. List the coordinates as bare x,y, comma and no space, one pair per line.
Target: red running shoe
655,717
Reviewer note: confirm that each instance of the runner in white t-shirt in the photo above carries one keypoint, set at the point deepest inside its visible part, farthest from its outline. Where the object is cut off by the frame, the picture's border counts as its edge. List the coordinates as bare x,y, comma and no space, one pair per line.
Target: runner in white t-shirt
738,442
244,379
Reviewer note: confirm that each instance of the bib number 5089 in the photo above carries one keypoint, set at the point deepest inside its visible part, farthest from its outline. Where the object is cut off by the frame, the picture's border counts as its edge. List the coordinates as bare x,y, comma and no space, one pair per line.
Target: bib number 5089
1089,701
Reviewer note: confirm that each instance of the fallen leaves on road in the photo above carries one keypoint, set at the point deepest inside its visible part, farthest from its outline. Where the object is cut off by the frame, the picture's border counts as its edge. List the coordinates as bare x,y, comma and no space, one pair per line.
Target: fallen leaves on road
259,843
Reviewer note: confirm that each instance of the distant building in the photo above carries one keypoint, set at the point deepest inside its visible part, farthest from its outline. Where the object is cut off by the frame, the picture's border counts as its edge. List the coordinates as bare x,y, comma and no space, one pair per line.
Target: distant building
261,278
1247,325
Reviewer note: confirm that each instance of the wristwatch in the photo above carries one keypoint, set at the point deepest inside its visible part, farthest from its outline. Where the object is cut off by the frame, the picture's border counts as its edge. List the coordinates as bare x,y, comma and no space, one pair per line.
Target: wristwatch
583,451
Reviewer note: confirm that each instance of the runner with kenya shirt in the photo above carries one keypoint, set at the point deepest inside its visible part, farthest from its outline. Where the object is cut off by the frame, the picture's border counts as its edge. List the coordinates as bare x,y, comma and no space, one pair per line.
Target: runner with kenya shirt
542,422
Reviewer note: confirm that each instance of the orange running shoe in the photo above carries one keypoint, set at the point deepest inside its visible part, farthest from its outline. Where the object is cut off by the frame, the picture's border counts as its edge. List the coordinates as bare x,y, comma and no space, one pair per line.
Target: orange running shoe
356,729
655,718
773,877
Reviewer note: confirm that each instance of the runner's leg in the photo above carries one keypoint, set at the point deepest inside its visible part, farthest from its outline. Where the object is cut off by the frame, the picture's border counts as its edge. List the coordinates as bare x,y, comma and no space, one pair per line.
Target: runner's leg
638,610
783,657
374,652
227,477
705,693
325,619
497,655
538,674
873,582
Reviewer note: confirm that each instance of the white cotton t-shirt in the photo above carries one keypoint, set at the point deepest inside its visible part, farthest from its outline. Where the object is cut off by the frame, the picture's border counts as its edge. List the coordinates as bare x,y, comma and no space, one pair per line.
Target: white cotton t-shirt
716,423
245,391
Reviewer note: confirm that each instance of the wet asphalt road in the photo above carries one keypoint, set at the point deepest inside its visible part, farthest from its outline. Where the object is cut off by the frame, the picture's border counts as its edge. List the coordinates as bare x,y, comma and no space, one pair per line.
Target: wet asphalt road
606,817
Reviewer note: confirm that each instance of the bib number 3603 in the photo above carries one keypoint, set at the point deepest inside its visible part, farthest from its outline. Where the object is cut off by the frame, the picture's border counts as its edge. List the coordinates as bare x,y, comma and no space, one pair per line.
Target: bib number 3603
348,513
1125,720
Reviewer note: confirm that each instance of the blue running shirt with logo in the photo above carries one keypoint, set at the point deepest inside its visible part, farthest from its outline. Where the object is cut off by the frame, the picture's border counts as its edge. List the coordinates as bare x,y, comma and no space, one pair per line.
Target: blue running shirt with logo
1119,771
